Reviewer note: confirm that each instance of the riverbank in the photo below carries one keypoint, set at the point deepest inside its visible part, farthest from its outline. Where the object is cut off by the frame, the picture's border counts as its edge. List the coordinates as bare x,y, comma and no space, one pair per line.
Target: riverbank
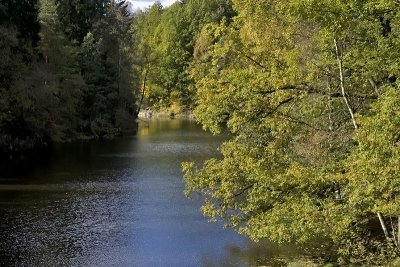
17,153
166,113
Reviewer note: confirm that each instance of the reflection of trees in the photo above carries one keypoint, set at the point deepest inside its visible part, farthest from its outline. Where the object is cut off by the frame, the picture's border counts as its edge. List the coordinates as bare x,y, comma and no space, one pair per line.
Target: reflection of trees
155,126
256,254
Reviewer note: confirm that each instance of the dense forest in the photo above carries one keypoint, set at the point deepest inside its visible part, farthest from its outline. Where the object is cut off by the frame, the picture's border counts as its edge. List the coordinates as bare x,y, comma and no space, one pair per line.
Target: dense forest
307,90
165,41
83,69
65,73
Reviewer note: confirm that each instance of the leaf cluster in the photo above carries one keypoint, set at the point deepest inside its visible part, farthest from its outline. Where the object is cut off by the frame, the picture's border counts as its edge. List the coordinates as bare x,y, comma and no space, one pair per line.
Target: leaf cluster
309,92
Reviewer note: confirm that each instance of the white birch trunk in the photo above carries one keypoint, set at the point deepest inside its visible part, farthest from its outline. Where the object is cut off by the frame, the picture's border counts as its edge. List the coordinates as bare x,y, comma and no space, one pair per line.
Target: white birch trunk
339,57
383,225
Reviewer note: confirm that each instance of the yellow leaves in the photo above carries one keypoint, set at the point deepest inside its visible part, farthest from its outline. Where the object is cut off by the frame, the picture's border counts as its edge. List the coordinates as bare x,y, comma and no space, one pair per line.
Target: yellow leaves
373,167
391,207
187,168
298,220
210,211
203,43
272,78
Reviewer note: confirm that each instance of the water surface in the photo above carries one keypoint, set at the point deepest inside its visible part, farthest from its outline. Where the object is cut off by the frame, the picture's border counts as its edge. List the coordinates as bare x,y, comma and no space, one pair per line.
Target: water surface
116,203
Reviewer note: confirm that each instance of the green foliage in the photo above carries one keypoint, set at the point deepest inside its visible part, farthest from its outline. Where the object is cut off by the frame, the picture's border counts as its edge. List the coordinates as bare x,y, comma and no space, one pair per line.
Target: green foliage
78,16
106,67
61,77
19,30
23,16
51,88
165,41
373,166
285,79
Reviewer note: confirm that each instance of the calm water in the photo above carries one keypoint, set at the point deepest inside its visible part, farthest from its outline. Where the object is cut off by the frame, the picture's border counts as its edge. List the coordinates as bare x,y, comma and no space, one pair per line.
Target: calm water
117,203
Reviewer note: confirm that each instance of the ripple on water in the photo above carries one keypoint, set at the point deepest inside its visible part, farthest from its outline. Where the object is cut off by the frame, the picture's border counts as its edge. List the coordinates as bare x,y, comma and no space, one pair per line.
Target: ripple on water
117,203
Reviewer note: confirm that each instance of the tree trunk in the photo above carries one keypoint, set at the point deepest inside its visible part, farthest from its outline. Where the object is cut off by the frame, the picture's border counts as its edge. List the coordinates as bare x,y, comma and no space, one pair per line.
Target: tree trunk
143,91
374,86
394,237
383,225
339,57
398,230
119,71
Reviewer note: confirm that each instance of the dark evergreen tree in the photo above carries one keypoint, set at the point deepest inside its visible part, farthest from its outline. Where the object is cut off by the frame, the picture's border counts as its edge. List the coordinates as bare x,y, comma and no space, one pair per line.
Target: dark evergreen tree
65,72
78,16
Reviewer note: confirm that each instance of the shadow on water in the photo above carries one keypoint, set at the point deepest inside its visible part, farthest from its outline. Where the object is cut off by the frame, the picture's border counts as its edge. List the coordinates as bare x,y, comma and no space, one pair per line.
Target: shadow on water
263,253
117,203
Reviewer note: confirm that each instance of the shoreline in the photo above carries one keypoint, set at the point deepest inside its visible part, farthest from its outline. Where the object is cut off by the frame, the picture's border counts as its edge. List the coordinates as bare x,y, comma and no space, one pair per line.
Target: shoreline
148,114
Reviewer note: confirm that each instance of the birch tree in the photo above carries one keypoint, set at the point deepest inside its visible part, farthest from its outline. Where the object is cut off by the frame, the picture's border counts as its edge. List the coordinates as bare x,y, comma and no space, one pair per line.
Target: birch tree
290,81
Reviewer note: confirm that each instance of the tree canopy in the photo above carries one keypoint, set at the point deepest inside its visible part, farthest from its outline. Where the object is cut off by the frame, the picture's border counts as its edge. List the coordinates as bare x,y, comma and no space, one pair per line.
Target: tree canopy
164,44
308,91
65,74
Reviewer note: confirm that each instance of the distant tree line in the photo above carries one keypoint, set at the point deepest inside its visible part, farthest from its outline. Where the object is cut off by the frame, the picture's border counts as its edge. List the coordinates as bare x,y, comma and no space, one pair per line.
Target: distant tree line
79,69
164,44
66,72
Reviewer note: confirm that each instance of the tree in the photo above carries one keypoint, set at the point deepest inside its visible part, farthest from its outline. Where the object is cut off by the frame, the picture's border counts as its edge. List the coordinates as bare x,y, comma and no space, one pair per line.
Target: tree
166,37
19,31
373,166
56,86
23,16
78,16
145,52
62,79
289,81
108,102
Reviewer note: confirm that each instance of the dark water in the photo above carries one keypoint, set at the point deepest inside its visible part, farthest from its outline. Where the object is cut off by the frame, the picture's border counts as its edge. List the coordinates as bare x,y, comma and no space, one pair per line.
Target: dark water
118,203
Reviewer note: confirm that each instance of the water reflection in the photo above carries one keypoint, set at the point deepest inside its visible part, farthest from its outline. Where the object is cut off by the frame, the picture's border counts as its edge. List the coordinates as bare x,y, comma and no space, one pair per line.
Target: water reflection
117,203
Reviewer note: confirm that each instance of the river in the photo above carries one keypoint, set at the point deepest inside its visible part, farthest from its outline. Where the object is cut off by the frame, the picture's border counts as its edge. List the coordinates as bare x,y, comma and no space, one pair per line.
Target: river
115,203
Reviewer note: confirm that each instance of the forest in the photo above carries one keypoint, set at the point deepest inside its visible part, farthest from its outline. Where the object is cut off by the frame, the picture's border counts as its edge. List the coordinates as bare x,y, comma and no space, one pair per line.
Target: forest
306,91
66,73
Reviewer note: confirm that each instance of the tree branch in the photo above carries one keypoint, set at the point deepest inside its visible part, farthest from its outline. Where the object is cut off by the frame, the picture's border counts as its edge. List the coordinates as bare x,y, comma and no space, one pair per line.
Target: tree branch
251,59
305,88
339,57
295,120
242,191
